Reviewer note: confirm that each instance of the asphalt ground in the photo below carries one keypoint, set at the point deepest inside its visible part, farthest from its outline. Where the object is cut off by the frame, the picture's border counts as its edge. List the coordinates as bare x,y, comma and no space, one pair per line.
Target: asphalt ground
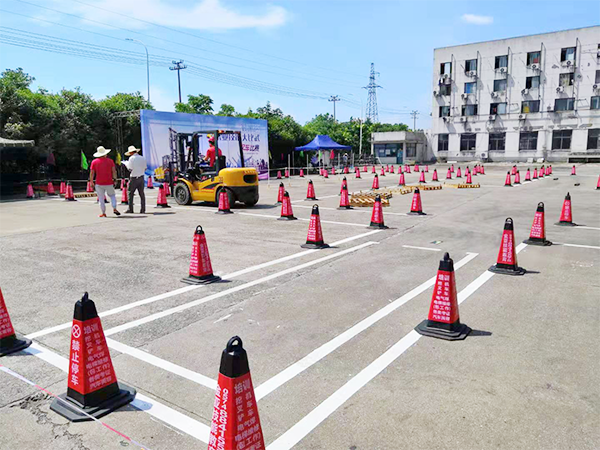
329,333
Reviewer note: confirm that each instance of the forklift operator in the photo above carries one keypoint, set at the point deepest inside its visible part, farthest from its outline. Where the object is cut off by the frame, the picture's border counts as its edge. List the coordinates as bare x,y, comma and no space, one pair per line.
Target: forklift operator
211,152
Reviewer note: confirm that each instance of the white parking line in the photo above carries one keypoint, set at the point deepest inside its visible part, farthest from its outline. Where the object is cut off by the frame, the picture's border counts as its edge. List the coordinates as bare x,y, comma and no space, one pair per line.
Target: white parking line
269,216
423,248
185,289
307,424
319,198
578,245
362,210
587,228
176,309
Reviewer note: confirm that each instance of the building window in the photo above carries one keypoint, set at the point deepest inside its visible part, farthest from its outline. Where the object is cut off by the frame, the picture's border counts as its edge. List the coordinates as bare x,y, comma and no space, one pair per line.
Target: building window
443,142
565,79
499,85
498,108
470,88
598,75
564,104
561,139
497,141
470,65
387,150
469,110
411,150
528,140
533,58
445,89
501,61
444,111
446,68
532,82
467,141
593,139
567,54
530,106
595,102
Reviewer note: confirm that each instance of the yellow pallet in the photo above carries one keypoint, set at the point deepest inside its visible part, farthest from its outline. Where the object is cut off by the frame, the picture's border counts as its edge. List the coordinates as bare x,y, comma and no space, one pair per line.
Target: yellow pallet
463,186
84,195
365,201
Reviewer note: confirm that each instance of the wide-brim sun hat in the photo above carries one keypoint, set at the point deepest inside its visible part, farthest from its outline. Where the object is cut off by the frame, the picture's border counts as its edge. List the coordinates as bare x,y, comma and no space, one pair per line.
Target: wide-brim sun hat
131,150
101,151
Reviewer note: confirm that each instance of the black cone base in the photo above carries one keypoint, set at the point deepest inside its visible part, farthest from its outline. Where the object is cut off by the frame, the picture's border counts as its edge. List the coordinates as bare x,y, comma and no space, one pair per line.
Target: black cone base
507,271
73,413
457,335
534,241
314,246
124,203
223,212
162,206
345,207
416,213
565,224
13,344
71,199
517,183
207,279
149,187
310,199
508,185
287,218
379,226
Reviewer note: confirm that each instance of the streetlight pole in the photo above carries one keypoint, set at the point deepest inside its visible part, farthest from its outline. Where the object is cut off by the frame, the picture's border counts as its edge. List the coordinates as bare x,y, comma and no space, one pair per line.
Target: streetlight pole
334,98
147,64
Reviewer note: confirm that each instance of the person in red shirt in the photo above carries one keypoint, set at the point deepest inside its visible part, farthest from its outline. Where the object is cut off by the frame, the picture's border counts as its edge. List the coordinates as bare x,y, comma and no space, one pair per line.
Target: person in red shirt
211,152
102,177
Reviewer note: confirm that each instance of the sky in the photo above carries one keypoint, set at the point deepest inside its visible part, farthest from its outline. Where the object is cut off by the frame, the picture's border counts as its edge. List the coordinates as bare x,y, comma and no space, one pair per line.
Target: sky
295,54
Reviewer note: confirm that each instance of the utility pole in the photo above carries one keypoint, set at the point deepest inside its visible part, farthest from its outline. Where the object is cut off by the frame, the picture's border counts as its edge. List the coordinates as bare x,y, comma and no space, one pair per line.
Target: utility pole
414,114
178,66
334,98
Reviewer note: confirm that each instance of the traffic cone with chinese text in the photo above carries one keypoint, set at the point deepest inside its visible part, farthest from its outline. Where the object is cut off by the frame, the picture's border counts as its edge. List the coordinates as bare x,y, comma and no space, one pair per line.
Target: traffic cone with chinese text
452,168
69,197
537,235
280,193
517,178
416,167
434,177
375,182
167,189
382,171
373,170
10,342
566,214
416,209
122,183
573,172
443,320
344,199
458,173
357,173
286,208
598,184
63,188
346,170
377,214
50,188
92,388
535,175
150,184
364,168
235,420
426,169
224,204
541,172
124,195
325,173
88,187
469,180
474,171
287,173
200,266
161,199
30,193
400,168
279,174
407,168
301,173
310,192
448,174
514,170
422,177
482,170
527,176
401,181
392,168
387,168
344,183
507,256
314,239
507,182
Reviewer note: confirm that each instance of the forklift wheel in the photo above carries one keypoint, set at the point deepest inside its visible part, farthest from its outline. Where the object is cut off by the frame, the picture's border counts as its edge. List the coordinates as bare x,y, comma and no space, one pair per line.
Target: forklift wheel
182,194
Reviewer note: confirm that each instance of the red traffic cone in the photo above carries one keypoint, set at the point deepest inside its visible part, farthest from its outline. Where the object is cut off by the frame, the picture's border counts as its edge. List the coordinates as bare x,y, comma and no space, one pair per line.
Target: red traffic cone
537,235
200,266
344,183
482,170
400,169
344,199
279,174
416,167
325,173
286,208
401,181
301,173
382,171
150,184
375,182
474,172
598,184
407,169
517,178
443,321
224,205
392,169
50,188
535,175
449,174
422,177
469,180
507,182
280,193
364,168
30,193
416,209
426,169
566,214
514,170
573,172
235,420
62,190
507,256
69,197
287,173
122,183
333,171
92,384
124,195
10,342
88,187
377,214
314,239
541,172
434,177
452,168
167,189
548,170
373,170
458,173
310,192
527,175
357,173
346,170
161,200
467,171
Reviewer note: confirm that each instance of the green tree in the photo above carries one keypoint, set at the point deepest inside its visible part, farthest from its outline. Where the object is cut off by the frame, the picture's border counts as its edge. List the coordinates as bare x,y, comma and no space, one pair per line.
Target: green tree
227,110
196,104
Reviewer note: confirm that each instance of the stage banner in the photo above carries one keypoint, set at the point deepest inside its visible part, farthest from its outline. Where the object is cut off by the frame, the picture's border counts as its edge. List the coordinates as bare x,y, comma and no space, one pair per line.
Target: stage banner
158,127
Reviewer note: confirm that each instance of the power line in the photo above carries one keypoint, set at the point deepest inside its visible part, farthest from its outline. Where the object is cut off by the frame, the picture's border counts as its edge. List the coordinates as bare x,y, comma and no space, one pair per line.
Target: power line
178,66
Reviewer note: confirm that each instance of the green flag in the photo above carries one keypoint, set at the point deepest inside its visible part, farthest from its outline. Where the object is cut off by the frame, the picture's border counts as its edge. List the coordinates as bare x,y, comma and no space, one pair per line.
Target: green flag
84,163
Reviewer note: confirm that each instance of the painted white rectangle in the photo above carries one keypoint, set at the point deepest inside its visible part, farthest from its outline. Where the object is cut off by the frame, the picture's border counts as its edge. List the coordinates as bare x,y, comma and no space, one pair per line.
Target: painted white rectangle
578,245
423,248
586,227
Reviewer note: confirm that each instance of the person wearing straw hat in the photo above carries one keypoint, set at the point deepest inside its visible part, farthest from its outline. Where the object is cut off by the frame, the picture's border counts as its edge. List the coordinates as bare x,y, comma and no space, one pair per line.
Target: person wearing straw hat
103,175
136,164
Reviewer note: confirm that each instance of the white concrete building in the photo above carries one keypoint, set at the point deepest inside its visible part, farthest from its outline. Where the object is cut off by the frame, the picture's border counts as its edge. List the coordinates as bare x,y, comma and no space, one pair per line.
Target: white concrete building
399,147
512,99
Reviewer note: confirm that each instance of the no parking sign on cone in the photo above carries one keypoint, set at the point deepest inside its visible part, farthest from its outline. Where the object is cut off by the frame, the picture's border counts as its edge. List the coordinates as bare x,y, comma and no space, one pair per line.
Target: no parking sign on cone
507,256
537,236
10,342
200,266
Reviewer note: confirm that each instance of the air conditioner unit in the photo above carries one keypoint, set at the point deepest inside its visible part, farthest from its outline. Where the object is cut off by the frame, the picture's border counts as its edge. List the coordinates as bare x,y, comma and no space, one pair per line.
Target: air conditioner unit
464,96
595,86
446,76
472,73
522,116
525,92
535,66
447,119
492,117
495,94
598,54
502,69
436,93
569,63
560,89
463,119
549,108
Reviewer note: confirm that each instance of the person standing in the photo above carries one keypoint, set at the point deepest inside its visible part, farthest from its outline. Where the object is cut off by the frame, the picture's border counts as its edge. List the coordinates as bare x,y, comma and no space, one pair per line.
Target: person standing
103,175
136,164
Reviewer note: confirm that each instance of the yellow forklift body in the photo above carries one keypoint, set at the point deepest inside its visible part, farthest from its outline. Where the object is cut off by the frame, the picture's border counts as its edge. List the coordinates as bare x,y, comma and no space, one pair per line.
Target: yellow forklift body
237,179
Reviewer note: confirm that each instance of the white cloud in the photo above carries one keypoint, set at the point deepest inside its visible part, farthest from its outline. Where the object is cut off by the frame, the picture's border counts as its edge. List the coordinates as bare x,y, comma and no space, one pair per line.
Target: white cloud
210,15
477,20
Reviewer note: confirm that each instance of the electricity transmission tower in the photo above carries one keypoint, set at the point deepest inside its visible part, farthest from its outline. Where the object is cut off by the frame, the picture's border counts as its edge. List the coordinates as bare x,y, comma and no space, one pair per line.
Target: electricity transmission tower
334,98
372,101
178,66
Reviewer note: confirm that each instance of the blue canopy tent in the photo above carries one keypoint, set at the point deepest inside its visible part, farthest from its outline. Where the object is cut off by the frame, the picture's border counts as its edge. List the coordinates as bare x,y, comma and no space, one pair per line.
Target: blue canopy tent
323,142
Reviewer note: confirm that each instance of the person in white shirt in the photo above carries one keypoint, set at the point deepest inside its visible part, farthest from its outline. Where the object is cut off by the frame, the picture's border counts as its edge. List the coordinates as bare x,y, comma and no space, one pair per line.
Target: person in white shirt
136,164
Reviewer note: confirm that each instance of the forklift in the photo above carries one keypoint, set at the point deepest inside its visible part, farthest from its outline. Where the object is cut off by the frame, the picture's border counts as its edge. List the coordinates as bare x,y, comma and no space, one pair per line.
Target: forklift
195,180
